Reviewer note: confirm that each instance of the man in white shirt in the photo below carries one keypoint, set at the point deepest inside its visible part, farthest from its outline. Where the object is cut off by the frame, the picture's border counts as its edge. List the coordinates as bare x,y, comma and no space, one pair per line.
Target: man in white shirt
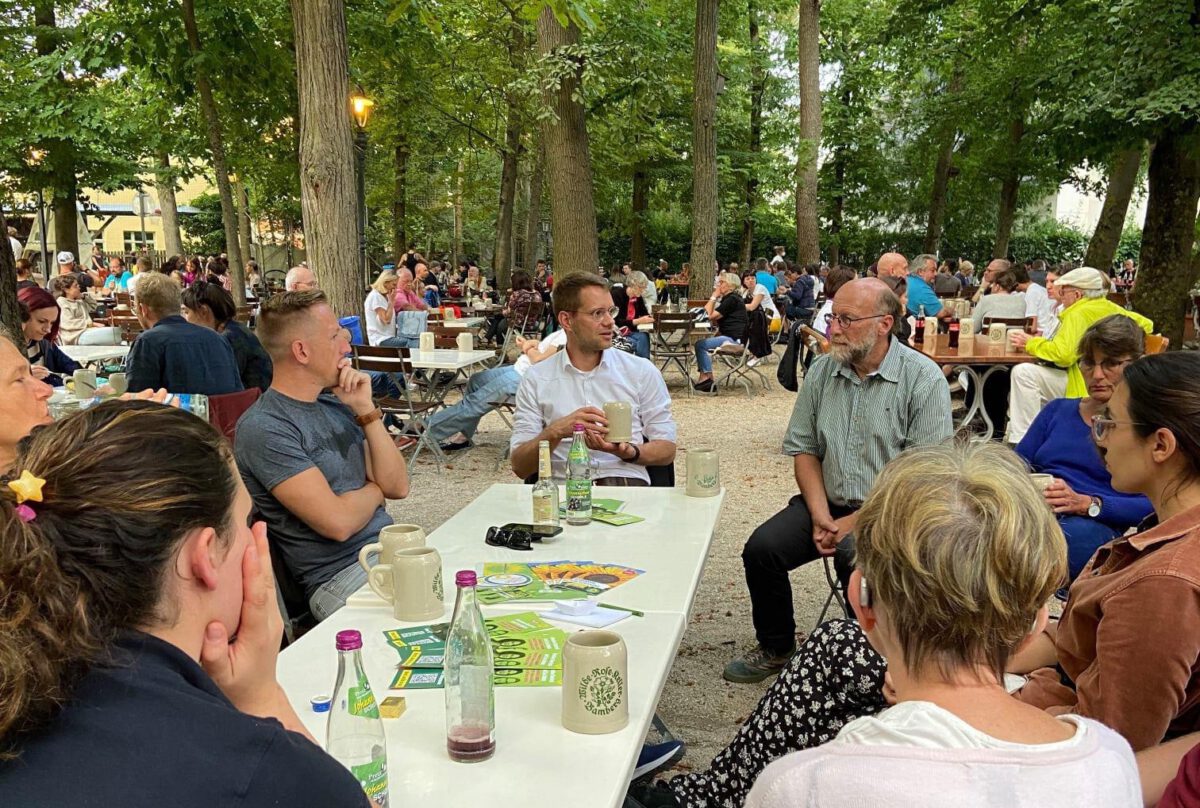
17,249
573,385
1037,301
779,258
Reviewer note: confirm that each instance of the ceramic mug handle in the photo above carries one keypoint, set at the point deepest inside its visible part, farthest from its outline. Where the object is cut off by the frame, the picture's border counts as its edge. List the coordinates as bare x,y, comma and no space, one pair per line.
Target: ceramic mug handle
380,581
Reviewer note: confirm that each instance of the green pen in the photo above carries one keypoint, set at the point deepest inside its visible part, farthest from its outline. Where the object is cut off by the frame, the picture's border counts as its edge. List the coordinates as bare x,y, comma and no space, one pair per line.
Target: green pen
621,609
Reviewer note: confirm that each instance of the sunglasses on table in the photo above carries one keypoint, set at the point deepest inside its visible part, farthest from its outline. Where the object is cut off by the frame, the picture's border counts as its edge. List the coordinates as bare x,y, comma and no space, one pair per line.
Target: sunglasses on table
513,539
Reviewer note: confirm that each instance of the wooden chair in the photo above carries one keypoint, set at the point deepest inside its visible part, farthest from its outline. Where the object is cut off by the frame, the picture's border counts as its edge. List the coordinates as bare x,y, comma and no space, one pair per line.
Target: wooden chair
130,327
1157,343
1027,323
671,344
397,364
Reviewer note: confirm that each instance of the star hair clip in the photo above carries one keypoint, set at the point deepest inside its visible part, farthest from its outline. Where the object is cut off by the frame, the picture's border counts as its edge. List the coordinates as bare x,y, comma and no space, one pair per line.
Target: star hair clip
28,488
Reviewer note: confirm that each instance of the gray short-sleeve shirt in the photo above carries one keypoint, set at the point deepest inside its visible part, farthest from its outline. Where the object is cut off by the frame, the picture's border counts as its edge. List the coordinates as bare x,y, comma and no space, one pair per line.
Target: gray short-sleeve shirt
280,437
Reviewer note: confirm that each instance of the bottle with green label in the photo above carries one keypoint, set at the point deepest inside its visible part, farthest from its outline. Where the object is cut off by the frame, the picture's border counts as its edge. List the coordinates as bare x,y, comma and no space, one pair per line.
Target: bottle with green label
355,736
579,480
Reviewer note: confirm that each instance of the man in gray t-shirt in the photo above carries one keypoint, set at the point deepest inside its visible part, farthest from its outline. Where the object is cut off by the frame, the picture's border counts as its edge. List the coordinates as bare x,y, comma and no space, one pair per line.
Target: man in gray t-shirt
280,437
314,453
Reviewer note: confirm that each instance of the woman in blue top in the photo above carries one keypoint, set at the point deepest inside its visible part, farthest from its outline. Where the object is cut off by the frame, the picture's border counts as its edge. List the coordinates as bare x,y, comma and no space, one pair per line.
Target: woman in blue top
1090,511
39,322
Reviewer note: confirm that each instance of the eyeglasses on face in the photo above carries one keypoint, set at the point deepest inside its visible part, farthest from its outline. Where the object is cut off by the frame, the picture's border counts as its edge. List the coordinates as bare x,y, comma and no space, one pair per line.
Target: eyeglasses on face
845,322
1102,426
600,315
1108,365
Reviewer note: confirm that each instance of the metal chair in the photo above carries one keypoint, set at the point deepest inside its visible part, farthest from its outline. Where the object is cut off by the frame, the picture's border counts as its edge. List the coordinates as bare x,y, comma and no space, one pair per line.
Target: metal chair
835,592
735,357
397,364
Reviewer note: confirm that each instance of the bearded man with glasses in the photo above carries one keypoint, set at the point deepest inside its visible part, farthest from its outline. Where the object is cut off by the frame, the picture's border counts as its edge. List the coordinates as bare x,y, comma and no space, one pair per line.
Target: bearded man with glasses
860,405
572,387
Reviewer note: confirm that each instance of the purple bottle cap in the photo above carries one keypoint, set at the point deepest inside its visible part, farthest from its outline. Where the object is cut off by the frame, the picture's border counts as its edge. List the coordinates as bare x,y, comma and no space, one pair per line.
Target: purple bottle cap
349,640
465,578
579,428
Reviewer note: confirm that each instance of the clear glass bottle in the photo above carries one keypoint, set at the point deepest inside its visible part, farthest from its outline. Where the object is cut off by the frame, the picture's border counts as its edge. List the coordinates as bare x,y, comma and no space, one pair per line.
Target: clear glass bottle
470,696
545,492
355,736
579,480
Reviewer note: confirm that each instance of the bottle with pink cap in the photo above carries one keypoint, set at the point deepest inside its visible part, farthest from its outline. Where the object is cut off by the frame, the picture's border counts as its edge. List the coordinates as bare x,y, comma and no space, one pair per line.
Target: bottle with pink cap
354,736
470,699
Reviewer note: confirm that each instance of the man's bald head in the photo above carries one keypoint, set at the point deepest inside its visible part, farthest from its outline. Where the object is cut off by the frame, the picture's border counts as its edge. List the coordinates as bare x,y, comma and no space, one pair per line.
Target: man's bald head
300,279
892,263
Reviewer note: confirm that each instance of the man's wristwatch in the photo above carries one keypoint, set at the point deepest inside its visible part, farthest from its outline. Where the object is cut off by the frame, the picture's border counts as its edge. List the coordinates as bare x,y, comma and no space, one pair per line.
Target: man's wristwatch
374,415
637,453
1094,509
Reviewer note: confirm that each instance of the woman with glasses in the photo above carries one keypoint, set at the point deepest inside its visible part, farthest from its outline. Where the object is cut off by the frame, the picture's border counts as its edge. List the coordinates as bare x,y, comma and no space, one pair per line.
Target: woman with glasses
727,309
1126,649
1090,512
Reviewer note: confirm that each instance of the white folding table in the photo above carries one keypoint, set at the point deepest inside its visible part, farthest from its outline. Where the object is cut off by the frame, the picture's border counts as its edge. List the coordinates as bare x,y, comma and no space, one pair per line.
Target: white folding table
532,747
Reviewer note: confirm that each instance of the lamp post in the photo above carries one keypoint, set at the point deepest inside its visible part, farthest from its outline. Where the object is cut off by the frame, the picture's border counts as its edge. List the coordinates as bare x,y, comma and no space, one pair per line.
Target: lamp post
360,108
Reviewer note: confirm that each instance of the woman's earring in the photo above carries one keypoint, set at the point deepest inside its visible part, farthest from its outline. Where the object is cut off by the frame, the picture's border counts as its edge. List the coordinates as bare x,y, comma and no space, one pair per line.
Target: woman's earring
864,593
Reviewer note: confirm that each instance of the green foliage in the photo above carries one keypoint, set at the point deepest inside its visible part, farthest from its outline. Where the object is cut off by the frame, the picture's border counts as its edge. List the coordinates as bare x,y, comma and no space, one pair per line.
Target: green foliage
205,234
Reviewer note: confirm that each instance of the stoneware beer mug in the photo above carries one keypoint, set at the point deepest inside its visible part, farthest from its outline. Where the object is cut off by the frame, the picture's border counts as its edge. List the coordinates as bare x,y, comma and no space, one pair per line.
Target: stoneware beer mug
411,582
426,341
1042,481
620,421
1008,343
466,342
119,383
997,333
966,329
85,384
595,689
391,539
703,472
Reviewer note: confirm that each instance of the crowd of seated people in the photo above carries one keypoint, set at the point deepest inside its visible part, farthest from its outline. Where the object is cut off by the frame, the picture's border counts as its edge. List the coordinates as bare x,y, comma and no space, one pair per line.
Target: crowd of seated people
949,593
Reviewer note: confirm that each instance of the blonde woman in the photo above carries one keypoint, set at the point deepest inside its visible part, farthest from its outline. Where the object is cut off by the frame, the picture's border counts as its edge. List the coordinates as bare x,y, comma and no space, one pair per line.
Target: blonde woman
946,590
379,315
728,311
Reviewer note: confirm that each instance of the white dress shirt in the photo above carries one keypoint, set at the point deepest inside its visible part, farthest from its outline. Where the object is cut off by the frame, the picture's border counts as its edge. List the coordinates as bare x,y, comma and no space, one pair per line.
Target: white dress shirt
555,388
1038,304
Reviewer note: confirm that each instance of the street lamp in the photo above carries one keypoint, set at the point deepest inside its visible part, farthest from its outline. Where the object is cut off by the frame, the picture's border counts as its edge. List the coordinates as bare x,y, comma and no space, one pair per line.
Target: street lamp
360,109
36,156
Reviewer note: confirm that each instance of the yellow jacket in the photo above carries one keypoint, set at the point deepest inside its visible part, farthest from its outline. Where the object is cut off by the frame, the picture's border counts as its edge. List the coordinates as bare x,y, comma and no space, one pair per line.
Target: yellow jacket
1063,348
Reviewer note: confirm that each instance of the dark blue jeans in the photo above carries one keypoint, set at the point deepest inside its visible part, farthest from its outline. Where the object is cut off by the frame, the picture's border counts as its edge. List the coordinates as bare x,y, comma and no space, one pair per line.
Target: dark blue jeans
1084,537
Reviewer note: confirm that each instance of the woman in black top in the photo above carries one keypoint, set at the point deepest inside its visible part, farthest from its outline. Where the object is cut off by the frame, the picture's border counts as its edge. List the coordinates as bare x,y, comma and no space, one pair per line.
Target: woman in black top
727,309
631,310
124,580
209,305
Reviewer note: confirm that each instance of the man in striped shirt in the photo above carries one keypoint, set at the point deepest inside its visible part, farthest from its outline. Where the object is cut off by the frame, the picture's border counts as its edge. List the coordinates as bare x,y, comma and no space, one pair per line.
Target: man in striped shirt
863,403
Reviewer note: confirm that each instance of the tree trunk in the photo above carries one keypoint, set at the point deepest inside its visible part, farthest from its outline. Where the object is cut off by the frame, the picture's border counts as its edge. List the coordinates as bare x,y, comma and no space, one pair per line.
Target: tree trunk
704,145
66,215
243,203
502,261
946,136
758,81
637,224
937,199
1122,177
568,164
1009,188
838,215
216,145
10,312
1165,263
808,240
400,199
533,218
327,173
165,186
458,213
60,154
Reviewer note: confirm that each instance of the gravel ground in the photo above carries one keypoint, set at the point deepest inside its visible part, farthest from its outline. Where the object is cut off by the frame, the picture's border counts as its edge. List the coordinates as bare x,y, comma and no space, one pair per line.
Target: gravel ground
697,704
